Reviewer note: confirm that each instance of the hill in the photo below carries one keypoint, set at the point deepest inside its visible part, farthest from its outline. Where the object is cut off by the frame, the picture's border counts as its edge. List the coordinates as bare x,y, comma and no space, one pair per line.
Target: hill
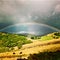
43,49
9,41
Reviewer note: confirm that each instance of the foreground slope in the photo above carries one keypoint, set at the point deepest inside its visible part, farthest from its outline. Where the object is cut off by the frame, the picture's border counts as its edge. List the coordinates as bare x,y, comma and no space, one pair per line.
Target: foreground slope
26,50
35,50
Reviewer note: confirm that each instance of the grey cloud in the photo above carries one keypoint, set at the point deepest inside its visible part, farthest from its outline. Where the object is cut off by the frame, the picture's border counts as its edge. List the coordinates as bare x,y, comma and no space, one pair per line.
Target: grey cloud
26,10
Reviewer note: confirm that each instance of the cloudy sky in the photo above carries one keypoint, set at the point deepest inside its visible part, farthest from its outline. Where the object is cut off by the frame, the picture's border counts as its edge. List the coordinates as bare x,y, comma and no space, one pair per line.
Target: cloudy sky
24,11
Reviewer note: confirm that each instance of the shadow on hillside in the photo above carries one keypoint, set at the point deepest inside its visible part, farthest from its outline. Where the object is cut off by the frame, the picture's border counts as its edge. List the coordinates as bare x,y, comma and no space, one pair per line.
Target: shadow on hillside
44,56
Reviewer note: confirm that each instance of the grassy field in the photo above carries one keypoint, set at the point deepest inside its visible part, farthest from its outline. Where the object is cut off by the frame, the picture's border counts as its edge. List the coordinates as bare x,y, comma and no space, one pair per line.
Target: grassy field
39,47
33,48
9,42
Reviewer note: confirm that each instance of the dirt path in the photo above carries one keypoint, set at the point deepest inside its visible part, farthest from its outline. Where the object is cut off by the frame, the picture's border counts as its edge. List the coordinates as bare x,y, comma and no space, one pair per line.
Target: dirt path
40,43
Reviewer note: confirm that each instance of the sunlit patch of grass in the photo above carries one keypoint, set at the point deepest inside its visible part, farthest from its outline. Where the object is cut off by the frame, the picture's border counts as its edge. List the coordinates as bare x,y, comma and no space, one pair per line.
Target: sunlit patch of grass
55,35
46,38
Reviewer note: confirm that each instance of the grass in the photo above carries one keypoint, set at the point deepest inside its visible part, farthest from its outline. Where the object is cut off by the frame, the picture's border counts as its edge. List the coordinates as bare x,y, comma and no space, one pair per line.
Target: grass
8,41
46,38
55,35
49,43
35,49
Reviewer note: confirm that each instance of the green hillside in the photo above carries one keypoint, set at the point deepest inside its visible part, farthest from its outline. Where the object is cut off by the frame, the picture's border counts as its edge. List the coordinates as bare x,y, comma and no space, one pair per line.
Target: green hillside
9,41
30,47
51,36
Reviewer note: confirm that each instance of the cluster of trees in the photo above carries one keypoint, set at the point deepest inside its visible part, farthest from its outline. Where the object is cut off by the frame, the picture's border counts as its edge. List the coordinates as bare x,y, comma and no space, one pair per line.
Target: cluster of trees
54,35
9,41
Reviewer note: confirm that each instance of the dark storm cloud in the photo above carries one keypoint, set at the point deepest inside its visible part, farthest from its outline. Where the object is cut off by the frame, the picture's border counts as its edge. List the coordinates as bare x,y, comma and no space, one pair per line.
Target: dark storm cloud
28,10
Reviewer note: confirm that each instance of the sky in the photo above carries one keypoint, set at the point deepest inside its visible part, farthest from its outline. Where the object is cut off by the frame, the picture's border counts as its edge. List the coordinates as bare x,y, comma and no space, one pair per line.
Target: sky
33,11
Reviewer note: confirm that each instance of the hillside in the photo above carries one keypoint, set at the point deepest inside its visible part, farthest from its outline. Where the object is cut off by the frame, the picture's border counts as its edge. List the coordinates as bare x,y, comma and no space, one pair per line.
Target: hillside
39,47
31,49
9,42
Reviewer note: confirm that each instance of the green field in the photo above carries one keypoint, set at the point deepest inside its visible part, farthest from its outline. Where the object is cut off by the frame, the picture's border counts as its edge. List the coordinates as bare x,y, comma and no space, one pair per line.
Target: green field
9,41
